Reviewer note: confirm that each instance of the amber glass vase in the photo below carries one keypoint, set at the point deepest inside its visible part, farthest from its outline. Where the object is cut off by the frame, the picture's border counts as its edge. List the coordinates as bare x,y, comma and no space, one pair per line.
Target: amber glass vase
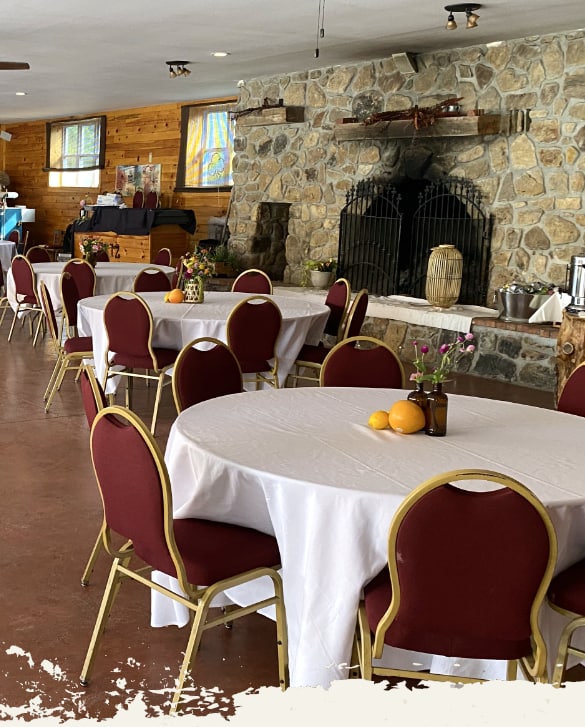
436,412
419,395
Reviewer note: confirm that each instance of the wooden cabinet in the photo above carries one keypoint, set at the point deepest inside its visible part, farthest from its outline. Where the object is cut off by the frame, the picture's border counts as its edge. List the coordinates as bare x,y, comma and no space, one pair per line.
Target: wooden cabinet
570,348
140,248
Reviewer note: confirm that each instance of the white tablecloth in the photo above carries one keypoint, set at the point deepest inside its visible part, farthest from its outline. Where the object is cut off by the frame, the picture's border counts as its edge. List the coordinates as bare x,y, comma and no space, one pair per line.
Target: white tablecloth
7,252
177,324
110,278
303,465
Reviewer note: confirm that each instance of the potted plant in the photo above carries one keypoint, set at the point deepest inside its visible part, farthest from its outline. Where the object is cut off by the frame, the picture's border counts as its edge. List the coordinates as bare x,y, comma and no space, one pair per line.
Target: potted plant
227,263
319,272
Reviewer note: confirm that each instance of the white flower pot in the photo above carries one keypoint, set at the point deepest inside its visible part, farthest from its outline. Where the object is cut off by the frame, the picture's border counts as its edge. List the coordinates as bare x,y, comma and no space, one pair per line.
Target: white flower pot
320,279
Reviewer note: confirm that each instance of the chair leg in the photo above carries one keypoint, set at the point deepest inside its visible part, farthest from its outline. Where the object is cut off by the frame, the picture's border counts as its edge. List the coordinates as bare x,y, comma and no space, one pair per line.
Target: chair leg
157,399
281,633
91,561
112,588
53,377
41,320
13,324
56,384
191,649
564,649
364,644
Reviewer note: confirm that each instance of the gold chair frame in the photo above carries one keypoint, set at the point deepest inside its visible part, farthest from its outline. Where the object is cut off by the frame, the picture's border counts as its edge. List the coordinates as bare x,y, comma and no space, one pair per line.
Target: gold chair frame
533,668
374,342
65,361
197,599
158,375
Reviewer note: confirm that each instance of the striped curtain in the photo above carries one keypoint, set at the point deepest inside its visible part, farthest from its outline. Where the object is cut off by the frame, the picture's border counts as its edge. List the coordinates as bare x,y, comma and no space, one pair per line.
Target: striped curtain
209,148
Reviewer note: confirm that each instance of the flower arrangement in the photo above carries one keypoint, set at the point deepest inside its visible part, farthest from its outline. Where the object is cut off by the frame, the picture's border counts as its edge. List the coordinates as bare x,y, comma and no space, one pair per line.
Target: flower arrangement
322,266
197,264
92,245
449,354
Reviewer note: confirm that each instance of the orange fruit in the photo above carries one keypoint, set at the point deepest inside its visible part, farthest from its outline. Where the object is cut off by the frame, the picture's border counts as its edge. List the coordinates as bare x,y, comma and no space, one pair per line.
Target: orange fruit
378,420
176,296
406,417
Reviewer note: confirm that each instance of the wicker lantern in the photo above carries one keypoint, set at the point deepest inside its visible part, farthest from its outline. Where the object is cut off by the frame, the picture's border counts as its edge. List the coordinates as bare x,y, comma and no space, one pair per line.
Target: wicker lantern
444,276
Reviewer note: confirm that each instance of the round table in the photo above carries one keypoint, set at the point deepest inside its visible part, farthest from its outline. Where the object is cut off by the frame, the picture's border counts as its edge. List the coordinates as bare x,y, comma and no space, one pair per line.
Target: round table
302,464
110,278
177,324
7,252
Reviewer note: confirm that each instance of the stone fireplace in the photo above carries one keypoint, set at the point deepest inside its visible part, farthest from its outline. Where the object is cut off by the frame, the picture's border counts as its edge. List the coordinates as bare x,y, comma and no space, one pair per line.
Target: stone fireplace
531,176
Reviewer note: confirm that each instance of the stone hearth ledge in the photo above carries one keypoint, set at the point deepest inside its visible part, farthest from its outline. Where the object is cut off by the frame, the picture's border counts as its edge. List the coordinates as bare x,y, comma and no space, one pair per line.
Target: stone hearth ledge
416,311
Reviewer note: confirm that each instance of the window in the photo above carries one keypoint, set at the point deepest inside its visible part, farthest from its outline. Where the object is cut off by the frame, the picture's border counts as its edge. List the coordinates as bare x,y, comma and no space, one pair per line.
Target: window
207,145
75,152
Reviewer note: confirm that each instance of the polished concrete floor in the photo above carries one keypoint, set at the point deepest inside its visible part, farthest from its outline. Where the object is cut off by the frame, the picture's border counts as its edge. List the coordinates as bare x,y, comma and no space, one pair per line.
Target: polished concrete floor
51,511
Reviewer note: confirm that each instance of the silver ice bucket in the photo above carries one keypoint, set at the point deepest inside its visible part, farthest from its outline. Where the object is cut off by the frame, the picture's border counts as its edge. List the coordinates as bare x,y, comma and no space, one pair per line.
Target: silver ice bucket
519,306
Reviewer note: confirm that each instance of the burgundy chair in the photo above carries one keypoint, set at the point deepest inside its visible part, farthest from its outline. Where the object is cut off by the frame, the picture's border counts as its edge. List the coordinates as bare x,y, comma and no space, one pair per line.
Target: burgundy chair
311,357
151,200
150,280
14,237
94,400
163,257
84,275
467,575
252,281
337,300
566,595
129,327
137,501
38,254
102,256
572,398
204,369
27,299
70,354
253,329
138,198
69,300
362,361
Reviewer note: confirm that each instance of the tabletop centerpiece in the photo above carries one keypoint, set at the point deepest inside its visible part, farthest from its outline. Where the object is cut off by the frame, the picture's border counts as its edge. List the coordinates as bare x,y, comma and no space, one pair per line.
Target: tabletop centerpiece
90,246
434,403
197,266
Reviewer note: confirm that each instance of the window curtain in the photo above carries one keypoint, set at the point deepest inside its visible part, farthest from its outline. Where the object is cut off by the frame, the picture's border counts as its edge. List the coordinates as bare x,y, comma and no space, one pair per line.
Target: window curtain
74,146
206,147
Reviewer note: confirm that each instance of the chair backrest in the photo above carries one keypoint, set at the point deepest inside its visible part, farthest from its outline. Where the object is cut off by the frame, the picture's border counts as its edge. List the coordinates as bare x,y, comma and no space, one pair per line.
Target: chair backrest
38,254
129,325
356,315
572,397
253,328
252,281
92,394
149,280
362,361
163,257
49,312
102,256
23,245
84,275
205,368
24,278
151,200
69,298
138,198
469,569
135,489
337,300
14,236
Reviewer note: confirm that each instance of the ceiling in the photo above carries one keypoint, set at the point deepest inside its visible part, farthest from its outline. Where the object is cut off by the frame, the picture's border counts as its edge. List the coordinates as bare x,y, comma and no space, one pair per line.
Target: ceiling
92,57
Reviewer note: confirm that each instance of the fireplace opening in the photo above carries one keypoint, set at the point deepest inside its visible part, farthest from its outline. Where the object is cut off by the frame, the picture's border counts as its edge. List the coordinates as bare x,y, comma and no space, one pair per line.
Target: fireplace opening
268,242
387,230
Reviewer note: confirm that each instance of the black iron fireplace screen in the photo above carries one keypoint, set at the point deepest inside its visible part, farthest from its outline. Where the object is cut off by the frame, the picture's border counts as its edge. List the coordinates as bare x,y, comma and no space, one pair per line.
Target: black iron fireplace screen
387,231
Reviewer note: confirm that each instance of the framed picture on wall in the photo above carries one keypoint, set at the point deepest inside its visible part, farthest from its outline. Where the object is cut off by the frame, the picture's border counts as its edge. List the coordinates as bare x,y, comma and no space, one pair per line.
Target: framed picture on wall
139,176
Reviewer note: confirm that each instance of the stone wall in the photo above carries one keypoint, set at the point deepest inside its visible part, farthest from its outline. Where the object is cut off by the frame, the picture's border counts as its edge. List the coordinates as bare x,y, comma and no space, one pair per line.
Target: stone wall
532,182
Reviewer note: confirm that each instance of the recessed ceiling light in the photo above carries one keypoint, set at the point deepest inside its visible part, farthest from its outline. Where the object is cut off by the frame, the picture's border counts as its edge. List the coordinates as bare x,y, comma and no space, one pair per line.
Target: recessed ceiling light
219,54
20,93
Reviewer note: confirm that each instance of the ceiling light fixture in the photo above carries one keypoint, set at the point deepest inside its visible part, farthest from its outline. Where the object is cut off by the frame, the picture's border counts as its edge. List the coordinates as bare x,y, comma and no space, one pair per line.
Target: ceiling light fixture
467,8
219,53
178,68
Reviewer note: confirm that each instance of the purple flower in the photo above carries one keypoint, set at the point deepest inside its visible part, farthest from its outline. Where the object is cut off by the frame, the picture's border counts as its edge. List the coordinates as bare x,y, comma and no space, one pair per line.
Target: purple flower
424,349
469,336
470,349
444,348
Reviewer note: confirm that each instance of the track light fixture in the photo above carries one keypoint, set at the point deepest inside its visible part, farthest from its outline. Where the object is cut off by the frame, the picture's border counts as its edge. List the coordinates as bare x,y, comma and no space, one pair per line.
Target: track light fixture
178,68
468,9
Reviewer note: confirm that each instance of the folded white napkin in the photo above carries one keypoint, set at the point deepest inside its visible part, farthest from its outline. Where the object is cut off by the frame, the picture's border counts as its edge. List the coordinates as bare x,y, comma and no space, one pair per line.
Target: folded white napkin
551,311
